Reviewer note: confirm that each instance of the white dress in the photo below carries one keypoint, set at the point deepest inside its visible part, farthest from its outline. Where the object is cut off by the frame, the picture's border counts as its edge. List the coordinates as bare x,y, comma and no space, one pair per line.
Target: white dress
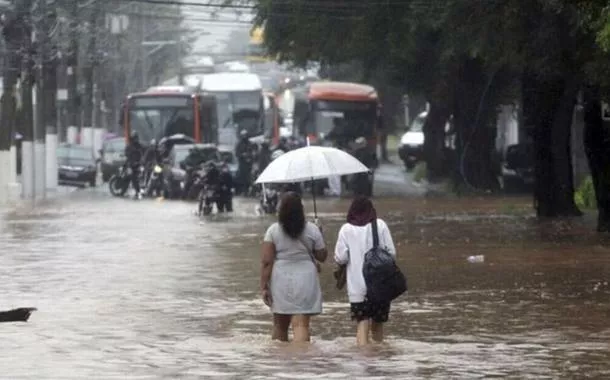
295,285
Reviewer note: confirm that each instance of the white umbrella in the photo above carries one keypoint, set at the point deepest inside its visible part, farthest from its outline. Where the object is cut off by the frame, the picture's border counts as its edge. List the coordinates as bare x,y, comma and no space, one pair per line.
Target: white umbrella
310,163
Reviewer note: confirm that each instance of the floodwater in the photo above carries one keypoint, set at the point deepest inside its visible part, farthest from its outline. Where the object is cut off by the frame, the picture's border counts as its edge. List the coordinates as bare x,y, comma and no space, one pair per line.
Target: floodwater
146,290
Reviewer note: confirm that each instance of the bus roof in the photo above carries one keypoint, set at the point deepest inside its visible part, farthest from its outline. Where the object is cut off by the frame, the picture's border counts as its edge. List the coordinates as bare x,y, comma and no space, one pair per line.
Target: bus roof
231,82
342,91
171,90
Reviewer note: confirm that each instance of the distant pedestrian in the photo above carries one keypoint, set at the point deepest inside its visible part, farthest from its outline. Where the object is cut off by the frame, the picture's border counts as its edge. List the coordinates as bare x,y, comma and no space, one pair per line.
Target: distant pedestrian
354,241
290,285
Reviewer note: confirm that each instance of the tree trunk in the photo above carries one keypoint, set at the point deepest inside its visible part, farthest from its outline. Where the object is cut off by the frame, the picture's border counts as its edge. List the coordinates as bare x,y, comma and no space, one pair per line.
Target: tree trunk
434,140
473,111
548,107
11,66
561,137
597,149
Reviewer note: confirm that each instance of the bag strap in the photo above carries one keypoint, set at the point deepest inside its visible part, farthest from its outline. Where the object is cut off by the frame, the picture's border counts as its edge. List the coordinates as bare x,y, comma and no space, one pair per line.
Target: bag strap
302,241
375,233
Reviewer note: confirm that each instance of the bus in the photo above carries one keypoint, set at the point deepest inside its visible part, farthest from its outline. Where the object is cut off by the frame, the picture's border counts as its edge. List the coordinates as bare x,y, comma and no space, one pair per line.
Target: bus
164,111
239,104
335,112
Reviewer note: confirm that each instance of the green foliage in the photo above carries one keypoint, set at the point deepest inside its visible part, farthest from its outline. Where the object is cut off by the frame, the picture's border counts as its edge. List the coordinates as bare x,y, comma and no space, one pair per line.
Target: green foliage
584,197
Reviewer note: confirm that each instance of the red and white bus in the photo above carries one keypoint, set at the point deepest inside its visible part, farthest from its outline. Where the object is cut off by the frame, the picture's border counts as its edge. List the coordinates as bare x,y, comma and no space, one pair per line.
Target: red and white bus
168,110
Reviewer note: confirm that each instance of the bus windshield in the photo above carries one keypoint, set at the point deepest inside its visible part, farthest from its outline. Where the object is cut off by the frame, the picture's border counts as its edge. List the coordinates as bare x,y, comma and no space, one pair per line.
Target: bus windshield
341,119
242,109
158,117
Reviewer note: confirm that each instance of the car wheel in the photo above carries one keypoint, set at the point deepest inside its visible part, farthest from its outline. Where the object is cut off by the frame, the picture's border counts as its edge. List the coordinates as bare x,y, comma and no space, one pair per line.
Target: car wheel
410,165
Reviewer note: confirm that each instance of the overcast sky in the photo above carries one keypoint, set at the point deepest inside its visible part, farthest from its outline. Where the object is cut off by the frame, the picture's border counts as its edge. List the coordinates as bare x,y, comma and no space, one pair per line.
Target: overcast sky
199,19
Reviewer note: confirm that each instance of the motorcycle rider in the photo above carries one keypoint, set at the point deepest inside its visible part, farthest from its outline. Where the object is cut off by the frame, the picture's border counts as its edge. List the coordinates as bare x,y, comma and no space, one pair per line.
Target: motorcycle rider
212,181
282,145
243,150
264,156
134,153
368,157
152,157
190,165
225,199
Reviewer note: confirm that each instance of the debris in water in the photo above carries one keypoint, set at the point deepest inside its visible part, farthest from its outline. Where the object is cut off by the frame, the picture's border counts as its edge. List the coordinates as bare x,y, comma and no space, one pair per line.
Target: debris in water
476,259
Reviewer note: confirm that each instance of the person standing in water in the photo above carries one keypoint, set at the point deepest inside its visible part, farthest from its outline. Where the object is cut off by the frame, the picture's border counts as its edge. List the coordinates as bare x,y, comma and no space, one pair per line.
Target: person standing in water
290,285
354,241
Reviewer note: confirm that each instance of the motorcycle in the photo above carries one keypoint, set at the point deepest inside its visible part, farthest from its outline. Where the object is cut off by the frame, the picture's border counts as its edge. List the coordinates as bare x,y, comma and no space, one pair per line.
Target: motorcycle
208,195
194,182
155,182
269,200
119,182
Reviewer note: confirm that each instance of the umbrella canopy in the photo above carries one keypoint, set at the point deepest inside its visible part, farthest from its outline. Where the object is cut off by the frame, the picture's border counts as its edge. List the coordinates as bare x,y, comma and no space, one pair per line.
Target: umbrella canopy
310,162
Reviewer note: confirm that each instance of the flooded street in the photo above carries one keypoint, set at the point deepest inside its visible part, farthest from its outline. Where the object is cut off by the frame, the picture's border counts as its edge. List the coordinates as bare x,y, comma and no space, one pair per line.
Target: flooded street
147,290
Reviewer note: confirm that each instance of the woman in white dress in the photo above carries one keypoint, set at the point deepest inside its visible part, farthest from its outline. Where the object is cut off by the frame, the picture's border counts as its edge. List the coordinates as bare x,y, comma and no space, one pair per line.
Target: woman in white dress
290,285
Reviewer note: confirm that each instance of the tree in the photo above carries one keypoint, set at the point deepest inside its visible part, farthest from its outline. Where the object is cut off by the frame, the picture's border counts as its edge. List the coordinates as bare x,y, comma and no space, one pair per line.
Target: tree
465,56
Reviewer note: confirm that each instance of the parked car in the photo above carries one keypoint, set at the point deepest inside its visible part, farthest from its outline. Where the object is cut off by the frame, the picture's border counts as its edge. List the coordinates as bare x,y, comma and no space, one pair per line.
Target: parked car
77,165
411,146
517,169
112,156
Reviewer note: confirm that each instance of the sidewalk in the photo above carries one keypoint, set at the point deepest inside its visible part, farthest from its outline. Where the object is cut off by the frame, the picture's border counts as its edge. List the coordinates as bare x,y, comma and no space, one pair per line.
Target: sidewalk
60,192
391,179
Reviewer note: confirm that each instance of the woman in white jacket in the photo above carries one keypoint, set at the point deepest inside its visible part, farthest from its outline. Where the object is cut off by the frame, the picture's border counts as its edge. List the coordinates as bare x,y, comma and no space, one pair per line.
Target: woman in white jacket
354,241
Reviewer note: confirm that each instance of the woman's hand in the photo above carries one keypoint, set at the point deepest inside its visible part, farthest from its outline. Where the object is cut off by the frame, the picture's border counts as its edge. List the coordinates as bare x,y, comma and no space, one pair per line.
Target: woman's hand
266,296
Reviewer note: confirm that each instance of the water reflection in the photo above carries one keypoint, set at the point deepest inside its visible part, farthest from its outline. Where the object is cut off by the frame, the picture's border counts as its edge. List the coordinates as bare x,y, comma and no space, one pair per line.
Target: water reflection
146,290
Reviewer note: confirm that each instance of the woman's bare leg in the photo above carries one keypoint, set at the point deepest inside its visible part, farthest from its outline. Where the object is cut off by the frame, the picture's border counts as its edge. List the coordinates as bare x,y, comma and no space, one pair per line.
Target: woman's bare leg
377,332
300,328
362,332
281,323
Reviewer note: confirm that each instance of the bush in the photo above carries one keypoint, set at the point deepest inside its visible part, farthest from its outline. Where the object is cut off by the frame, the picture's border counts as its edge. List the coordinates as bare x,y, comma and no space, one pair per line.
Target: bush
420,172
584,196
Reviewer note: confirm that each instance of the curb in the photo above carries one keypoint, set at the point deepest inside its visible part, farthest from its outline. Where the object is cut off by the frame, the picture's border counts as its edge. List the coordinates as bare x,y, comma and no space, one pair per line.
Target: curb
51,196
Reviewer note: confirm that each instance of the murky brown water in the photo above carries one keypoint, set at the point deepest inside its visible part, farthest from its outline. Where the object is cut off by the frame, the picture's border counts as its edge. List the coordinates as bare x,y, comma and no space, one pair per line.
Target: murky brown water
143,290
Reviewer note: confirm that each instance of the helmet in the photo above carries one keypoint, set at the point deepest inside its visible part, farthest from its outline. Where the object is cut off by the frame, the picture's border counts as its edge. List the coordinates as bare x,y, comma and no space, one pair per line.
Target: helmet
153,142
276,154
243,133
133,136
360,141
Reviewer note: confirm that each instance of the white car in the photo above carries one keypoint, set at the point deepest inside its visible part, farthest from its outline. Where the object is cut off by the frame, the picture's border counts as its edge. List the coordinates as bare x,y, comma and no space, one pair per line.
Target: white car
411,146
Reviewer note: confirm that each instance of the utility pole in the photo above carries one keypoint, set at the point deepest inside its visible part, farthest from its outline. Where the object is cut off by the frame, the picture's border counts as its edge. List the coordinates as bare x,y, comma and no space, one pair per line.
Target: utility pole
27,108
8,154
42,103
48,116
71,71
88,77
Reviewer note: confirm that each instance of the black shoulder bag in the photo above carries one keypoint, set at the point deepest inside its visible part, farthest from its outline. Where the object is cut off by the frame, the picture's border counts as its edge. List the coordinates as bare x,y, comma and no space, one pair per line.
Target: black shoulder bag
384,279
